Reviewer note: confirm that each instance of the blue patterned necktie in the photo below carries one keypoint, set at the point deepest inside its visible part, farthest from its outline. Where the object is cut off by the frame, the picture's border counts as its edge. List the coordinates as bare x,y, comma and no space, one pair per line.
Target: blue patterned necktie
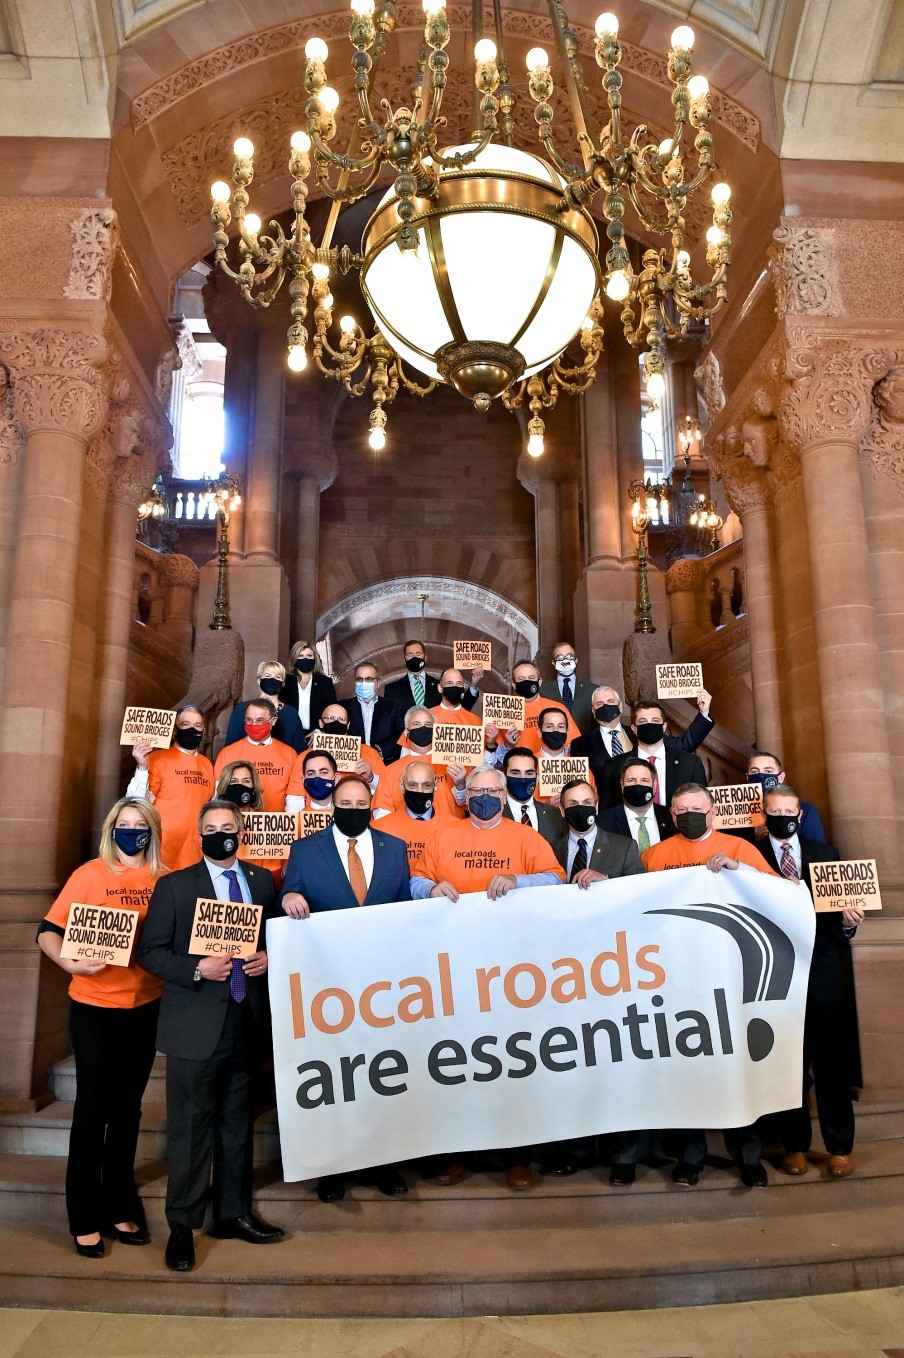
616,743
238,985
567,695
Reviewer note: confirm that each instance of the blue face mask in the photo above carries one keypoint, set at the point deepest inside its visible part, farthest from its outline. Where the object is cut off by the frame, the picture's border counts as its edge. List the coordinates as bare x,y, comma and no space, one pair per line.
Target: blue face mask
319,789
130,840
765,780
485,806
522,789
365,690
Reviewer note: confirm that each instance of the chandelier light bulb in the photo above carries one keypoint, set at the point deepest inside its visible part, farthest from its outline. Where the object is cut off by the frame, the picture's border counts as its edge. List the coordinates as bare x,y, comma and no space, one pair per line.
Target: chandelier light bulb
363,7
656,386
347,325
252,223
536,59
606,25
587,323
220,192
485,50
298,359
328,301
720,194
535,445
683,38
714,235
329,99
698,86
377,439
315,49
618,286
243,149
300,141
683,261
665,147
433,6
320,271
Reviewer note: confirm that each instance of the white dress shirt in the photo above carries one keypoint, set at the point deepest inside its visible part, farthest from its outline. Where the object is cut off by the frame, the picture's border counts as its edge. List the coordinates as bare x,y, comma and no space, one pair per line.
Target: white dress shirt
634,819
304,703
367,716
607,732
515,808
365,847
574,840
221,881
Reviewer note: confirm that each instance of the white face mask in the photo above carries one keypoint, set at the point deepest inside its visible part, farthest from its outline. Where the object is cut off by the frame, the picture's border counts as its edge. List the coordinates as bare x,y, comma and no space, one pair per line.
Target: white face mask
565,667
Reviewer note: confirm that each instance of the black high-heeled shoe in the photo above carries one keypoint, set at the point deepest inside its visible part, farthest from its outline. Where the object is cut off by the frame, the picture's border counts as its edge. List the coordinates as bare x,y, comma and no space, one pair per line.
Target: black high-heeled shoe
139,1237
96,1251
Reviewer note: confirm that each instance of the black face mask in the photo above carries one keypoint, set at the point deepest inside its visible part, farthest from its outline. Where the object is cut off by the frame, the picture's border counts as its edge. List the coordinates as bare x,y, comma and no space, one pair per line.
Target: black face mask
417,802
580,818
421,736
607,712
188,738
782,827
414,664
335,728
270,686
650,732
305,665
219,845
691,824
554,740
637,795
351,820
527,688
238,794
453,694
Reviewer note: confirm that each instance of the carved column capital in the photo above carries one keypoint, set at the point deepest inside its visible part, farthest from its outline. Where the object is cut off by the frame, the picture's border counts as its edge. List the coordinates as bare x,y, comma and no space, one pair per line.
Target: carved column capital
95,240
740,459
884,442
827,395
178,570
57,383
804,271
684,576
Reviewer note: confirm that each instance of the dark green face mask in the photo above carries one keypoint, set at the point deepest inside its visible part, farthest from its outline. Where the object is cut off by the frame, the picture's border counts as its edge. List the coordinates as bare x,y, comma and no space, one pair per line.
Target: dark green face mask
691,824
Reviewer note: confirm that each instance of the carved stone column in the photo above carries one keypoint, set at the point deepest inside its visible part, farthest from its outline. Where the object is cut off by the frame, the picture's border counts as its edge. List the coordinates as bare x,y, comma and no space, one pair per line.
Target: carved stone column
683,582
825,412
310,461
180,577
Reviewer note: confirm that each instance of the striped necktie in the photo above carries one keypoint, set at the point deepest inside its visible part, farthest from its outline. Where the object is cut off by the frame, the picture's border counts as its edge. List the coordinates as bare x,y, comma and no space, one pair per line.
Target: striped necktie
787,863
525,814
616,743
417,684
580,859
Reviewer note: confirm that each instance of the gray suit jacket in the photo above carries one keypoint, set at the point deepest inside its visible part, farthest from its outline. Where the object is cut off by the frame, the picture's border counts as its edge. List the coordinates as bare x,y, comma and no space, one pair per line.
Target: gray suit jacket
549,821
581,707
614,855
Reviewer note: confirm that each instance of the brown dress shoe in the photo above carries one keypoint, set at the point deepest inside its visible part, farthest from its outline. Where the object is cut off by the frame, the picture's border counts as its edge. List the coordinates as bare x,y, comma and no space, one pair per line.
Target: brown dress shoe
519,1176
795,1162
840,1166
452,1173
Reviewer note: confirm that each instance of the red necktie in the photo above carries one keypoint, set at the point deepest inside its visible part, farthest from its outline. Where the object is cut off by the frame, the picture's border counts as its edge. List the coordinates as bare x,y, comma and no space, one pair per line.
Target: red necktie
787,863
657,791
525,818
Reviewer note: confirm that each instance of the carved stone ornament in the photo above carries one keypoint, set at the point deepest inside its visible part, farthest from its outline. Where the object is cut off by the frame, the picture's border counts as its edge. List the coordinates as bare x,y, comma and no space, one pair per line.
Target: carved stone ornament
191,365
828,390
179,571
95,239
708,377
804,272
884,442
12,438
746,483
57,384
684,576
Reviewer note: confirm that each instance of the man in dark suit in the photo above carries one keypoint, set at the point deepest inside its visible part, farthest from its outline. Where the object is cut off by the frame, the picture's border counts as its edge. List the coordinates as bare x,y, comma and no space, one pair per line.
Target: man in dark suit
348,865
419,689
214,1020
378,721
671,762
590,854
638,817
830,1027
611,740
520,768
576,694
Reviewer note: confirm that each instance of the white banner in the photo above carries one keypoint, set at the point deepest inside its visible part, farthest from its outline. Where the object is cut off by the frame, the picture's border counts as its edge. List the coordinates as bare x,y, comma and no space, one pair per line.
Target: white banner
674,999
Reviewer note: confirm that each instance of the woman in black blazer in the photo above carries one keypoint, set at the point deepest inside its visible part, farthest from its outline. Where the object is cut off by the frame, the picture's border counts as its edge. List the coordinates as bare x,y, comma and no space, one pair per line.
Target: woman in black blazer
307,688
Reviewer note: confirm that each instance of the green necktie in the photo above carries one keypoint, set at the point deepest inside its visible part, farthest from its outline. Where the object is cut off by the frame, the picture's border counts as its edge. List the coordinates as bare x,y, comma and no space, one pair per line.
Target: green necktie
418,690
643,836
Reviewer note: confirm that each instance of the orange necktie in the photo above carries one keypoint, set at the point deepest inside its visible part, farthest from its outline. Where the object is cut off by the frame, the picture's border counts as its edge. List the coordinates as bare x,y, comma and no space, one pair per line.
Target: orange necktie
356,873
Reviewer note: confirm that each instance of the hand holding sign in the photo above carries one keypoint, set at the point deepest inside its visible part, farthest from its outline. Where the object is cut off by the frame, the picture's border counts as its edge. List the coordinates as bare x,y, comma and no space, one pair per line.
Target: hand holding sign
679,681
153,726
225,929
472,655
99,936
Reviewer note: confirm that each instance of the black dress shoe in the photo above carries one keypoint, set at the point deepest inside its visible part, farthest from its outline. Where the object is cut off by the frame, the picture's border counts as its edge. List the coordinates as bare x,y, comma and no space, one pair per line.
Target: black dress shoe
686,1175
249,1228
753,1176
391,1184
558,1166
331,1188
96,1251
180,1249
621,1176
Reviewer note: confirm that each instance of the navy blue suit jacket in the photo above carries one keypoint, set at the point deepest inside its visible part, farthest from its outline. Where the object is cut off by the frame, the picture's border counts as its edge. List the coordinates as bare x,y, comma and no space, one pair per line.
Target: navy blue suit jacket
316,871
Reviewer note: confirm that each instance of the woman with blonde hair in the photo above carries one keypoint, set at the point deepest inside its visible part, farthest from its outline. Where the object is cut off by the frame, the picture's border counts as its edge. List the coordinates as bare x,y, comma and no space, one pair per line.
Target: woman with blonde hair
271,676
238,783
113,1023
307,689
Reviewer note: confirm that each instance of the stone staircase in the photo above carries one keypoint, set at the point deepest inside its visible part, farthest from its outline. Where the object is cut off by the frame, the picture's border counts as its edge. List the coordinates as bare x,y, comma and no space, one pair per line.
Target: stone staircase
477,1248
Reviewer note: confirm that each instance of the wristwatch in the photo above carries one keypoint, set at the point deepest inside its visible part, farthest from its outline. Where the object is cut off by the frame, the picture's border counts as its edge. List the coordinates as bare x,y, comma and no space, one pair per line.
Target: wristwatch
197,975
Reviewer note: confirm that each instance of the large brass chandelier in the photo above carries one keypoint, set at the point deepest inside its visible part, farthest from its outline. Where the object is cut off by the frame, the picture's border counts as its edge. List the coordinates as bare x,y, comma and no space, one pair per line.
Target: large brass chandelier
481,262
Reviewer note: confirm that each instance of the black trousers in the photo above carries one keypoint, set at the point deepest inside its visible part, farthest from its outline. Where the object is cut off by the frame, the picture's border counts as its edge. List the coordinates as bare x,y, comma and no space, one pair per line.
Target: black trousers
114,1051
824,1038
210,1125
742,1144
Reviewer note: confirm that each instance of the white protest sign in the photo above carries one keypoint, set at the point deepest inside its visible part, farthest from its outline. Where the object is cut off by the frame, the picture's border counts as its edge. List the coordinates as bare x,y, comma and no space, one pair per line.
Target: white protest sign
679,681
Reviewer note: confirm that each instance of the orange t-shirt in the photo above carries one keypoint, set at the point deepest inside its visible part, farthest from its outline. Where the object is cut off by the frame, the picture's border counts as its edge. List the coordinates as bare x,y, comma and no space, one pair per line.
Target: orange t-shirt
389,795
273,763
296,777
679,852
529,738
454,716
468,857
96,884
414,832
180,784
